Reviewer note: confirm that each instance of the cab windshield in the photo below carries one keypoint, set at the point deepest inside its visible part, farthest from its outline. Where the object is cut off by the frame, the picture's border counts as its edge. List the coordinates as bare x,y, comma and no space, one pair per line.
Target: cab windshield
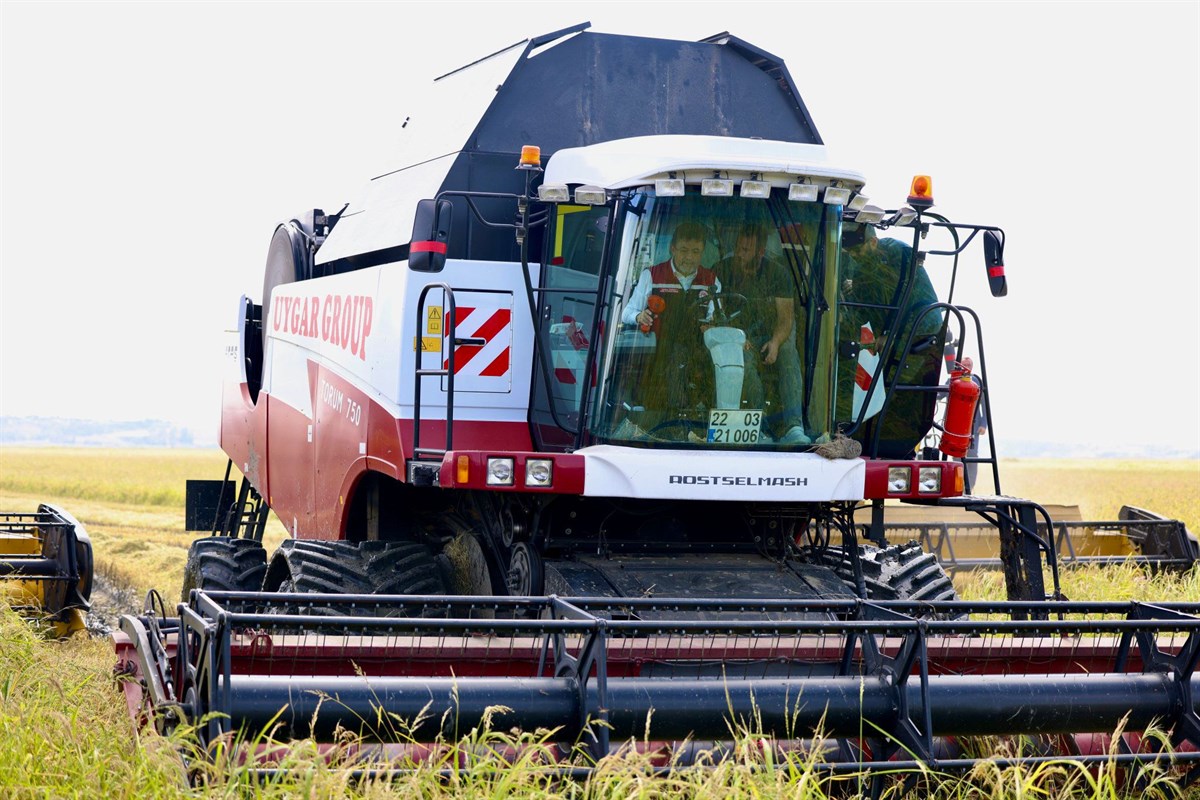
721,323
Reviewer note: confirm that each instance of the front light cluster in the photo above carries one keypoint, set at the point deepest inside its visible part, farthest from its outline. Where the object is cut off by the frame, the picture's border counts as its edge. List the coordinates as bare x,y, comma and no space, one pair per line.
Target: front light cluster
501,471
929,480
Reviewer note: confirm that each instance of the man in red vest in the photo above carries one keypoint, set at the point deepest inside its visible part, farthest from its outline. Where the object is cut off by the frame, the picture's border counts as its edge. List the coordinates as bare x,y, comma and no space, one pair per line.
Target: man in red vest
682,369
681,274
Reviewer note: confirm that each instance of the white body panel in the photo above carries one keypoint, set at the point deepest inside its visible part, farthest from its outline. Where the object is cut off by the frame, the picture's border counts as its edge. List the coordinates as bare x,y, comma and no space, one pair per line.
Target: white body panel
374,349
688,475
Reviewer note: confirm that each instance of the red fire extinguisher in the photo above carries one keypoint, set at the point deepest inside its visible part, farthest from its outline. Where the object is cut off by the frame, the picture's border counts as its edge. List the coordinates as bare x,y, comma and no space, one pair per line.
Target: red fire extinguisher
960,412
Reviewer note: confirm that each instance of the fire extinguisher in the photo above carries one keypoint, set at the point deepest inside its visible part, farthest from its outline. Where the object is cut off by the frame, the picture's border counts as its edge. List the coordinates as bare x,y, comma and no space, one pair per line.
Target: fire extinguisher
960,413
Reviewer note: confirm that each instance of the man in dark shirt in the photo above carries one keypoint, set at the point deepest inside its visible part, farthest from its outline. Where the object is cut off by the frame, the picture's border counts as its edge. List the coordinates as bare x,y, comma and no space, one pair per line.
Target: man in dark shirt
768,320
872,270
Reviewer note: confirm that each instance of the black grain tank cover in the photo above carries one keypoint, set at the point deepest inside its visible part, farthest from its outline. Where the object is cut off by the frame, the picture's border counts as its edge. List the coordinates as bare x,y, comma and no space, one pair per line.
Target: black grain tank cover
595,87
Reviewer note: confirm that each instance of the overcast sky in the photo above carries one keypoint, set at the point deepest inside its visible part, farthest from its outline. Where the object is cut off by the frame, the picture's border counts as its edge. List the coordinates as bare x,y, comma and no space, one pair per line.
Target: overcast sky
149,149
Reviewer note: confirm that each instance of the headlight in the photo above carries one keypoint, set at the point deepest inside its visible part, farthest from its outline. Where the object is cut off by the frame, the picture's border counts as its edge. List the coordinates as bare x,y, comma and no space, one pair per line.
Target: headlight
539,472
929,480
899,480
500,472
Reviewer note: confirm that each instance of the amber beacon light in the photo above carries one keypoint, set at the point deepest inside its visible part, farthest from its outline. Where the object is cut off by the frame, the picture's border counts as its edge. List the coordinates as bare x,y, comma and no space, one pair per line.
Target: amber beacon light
531,157
920,195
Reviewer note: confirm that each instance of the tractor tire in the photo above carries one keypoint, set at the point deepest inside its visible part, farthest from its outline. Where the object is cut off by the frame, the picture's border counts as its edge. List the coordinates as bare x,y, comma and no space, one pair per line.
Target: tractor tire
386,568
896,572
221,563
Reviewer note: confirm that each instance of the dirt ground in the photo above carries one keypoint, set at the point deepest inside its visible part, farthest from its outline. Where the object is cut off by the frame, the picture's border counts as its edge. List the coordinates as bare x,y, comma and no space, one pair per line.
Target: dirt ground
109,602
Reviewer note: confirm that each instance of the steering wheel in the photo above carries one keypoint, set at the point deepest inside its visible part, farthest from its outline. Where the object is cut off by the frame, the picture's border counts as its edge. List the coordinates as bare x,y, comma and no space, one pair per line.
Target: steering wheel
727,306
688,425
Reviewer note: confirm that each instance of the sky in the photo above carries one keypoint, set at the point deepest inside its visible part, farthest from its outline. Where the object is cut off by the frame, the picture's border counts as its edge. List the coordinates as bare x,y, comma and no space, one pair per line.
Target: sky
147,151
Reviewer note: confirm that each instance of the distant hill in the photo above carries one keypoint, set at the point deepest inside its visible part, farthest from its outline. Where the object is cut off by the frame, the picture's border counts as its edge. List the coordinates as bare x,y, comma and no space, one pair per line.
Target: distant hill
60,431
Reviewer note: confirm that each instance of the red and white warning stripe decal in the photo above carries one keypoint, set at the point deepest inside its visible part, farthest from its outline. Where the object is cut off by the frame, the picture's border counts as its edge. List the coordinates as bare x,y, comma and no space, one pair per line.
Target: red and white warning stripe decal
475,364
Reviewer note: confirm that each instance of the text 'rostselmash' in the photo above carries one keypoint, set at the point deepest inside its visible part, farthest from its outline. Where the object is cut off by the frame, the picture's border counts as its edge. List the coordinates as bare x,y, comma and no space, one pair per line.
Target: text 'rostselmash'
341,320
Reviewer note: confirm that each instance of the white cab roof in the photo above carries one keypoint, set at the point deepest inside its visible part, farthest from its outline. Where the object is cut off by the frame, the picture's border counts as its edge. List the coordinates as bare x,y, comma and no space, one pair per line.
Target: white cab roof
639,160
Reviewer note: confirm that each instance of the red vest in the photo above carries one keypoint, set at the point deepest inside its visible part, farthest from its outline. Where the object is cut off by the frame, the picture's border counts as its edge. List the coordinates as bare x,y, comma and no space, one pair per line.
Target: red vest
664,281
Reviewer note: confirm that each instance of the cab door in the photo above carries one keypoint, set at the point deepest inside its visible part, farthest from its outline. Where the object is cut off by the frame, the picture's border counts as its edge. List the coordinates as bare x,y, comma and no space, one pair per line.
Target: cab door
566,323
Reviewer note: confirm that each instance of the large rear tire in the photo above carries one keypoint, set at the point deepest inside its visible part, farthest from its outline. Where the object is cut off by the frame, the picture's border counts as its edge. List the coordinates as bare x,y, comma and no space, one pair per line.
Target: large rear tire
221,563
384,568
895,572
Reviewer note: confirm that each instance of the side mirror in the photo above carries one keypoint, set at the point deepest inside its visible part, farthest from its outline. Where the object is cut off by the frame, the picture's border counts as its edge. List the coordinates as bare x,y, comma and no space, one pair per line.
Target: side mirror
431,232
993,256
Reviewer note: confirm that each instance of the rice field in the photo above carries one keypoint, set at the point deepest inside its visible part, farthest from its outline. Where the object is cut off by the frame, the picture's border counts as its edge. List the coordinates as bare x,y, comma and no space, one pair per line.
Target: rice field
64,730
1101,486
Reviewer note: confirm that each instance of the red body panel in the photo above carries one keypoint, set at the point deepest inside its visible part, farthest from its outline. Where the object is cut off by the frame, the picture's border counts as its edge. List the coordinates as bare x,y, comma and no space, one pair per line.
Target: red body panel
308,479
244,433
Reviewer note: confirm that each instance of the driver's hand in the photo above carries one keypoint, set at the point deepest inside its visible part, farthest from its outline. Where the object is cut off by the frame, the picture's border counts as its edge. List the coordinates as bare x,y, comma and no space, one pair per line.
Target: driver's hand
644,317
770,351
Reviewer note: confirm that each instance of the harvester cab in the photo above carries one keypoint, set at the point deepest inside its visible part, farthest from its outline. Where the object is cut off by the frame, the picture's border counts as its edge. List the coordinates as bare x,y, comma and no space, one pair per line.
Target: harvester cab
612,402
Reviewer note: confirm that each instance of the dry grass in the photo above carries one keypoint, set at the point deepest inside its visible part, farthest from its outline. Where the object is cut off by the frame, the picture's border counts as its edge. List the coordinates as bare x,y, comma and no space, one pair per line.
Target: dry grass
1101,486
131,501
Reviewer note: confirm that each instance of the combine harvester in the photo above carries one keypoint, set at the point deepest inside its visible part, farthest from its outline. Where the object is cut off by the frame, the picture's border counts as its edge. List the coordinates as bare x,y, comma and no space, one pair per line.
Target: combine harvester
566,442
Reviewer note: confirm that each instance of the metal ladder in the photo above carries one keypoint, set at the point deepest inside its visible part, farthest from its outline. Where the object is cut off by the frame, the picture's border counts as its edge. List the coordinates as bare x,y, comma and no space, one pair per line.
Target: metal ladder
246,517
425,462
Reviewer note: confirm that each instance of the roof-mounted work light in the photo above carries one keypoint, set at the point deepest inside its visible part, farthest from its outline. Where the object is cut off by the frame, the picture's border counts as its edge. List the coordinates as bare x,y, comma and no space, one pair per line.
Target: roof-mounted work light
837,195
553,193
803,192
905,216
669,187
870,214
759,189
716,187
590,196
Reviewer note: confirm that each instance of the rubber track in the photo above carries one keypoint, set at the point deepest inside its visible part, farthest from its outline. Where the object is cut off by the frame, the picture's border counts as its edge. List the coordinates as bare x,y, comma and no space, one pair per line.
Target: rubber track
224,564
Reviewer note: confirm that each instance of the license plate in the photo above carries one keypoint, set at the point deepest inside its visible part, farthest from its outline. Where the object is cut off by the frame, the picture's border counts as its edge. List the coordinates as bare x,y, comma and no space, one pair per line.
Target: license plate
738,426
